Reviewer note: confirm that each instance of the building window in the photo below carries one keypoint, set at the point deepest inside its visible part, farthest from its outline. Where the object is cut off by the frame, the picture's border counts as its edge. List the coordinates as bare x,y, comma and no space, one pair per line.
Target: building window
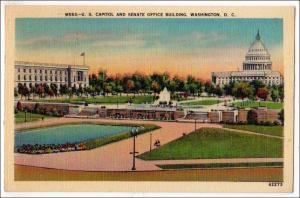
35,71
79,76
55,78
41,78
50,71
35,78
24,77
66,79
50,78
29,77
60,72
18,77
24,70
18,69
29,70
46,71
46,78
40,71
60,78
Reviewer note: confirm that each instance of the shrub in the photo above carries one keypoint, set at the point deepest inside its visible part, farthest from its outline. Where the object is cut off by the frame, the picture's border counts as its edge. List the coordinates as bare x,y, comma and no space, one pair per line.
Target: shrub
261,122
36,108
281,116
19,106
16,110
276,123
48,113
252,117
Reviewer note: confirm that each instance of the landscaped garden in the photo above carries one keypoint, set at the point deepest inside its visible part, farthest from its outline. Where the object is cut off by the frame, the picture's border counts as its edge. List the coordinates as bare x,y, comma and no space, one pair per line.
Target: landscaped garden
30,117
72,137
201,102
213,143
253,104
270,130
138,99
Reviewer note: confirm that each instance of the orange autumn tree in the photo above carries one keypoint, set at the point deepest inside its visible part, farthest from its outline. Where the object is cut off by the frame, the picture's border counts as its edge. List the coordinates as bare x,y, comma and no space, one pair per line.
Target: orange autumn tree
262,93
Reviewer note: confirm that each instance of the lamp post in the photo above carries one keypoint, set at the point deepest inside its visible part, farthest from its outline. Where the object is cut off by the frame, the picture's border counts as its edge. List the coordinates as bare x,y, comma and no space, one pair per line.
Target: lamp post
117,101
134,133
150,142
25,115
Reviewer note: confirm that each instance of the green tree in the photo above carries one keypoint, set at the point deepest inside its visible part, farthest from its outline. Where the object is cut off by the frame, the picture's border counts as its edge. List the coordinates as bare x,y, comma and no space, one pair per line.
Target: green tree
155,87
130,86
218,91
54,88
228,88
208,88
281,116
16,94
73,90
63,90
179,83
80,90
242,90
281,92
275,93
256,84
46,88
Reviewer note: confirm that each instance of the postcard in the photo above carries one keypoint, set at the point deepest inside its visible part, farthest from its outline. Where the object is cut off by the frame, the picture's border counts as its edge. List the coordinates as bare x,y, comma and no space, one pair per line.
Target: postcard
149,98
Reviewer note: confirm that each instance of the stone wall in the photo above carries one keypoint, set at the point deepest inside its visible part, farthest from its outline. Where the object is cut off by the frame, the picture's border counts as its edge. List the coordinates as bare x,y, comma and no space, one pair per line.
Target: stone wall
140,114
242,116
229,116
60,108
267,115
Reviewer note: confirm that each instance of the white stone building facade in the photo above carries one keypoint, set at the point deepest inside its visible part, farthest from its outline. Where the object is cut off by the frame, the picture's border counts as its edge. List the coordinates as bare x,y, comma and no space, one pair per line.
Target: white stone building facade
32,73
256,66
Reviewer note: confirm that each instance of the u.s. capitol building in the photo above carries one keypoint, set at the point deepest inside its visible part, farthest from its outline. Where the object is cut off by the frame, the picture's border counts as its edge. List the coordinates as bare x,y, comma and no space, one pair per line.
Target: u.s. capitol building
257,66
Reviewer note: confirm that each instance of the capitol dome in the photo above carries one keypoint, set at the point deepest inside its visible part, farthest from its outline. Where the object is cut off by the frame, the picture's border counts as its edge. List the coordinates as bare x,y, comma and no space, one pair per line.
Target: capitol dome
257,57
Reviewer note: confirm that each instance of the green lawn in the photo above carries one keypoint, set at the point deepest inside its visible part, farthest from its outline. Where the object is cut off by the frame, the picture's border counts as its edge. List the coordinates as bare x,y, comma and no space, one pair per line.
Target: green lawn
212,143
100,142
138,99
221,165
30,117
201,102
270,130
252,104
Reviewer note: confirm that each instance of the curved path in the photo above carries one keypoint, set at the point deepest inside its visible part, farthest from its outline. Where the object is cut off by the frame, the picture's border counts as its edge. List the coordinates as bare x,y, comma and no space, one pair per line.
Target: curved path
111,157
253,133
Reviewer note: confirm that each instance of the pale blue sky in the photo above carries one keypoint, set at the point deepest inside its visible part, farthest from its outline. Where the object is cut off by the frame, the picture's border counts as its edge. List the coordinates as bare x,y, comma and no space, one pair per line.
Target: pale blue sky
155,42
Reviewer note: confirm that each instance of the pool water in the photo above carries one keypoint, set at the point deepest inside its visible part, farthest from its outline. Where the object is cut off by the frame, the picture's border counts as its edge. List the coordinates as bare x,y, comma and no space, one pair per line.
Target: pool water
67,134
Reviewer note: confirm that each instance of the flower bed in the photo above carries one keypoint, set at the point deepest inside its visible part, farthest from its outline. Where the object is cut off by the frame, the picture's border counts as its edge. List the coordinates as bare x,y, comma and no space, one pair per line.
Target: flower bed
52,148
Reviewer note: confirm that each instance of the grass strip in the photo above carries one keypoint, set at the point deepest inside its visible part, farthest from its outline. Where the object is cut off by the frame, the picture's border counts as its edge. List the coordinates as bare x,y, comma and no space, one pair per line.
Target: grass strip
221,165
269,130
100,142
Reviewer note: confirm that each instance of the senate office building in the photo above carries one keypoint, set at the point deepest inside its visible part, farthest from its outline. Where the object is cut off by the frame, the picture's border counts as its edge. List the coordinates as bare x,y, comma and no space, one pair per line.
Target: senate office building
32,73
